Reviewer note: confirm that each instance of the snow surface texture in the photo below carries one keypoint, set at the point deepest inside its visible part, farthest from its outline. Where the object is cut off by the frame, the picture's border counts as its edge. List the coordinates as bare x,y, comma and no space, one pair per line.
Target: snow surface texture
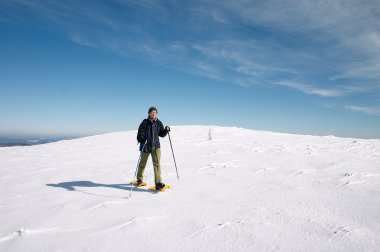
243,190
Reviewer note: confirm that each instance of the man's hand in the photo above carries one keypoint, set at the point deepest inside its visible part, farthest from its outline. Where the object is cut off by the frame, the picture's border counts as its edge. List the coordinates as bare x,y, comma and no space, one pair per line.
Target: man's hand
167,128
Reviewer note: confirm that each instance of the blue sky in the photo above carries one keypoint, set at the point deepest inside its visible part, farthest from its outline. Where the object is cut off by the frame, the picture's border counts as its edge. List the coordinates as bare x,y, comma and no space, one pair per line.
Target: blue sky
90,67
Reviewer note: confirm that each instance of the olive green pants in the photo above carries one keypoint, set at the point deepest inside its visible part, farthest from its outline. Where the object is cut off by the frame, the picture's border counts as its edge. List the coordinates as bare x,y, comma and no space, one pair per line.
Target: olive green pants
156,156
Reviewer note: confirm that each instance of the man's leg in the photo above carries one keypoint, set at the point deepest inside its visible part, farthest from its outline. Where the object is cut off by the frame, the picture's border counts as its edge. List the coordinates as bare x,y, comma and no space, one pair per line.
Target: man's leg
156,156
143,161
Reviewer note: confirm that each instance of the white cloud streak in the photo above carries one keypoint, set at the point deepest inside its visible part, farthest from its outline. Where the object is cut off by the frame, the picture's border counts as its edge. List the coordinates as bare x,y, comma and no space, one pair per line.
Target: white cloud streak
312,90
288,43
366,110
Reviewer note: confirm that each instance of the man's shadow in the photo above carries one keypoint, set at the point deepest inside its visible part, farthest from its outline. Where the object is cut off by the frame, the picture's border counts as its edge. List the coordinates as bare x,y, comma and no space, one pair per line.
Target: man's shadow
74,185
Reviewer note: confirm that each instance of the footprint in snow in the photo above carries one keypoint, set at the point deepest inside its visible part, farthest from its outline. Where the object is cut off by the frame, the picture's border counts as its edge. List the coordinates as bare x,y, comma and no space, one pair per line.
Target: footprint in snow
297,173
23,232
106,203
357,178
339,229
213,168
216,227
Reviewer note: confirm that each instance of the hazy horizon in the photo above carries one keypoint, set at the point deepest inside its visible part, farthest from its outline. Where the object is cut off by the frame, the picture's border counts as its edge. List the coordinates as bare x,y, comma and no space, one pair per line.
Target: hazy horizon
63,136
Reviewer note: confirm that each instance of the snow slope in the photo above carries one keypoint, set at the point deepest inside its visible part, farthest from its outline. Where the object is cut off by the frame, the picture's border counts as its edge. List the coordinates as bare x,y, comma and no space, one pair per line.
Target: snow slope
244,190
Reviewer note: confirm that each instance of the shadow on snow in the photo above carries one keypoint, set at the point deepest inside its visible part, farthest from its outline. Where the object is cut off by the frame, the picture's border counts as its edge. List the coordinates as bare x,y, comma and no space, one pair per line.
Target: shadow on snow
73,186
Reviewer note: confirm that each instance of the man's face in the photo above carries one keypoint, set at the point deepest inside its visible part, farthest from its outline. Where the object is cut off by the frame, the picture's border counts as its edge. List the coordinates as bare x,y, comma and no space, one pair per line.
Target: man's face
153,114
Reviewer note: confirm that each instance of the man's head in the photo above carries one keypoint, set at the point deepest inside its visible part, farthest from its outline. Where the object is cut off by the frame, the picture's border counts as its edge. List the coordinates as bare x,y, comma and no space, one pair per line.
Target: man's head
152,112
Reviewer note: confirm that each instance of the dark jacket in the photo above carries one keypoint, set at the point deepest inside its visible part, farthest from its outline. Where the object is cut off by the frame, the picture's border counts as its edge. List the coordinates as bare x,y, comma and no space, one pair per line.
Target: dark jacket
150,131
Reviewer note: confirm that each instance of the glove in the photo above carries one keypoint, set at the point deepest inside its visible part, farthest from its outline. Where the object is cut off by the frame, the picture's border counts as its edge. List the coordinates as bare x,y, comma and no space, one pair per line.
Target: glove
167,128
143,141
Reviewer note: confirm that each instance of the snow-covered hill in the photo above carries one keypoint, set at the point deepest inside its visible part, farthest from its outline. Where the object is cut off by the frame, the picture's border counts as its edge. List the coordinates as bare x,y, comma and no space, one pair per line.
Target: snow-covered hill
244,190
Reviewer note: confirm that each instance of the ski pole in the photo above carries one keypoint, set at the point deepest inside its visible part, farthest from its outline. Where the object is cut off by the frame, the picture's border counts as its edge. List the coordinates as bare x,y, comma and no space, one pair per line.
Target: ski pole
137,167
173,156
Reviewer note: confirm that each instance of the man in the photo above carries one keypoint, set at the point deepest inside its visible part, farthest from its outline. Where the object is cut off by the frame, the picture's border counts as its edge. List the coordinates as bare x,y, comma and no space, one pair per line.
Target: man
148,136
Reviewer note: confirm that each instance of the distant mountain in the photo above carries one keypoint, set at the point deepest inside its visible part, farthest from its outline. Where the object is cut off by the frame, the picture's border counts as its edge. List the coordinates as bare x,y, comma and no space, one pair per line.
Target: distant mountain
28,141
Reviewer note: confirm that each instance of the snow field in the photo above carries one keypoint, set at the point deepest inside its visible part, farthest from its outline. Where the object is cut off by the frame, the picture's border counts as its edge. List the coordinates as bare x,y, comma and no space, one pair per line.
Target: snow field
244,190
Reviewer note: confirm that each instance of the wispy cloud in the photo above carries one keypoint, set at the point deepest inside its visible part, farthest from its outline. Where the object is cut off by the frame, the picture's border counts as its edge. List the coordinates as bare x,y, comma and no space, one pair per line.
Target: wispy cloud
344,35
366,110
334,44
308,89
